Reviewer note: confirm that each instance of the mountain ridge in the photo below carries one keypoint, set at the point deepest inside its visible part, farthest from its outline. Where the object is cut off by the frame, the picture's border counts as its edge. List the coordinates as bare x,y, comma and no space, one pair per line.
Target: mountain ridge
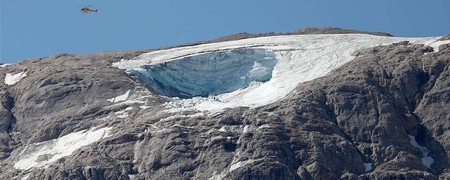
353,123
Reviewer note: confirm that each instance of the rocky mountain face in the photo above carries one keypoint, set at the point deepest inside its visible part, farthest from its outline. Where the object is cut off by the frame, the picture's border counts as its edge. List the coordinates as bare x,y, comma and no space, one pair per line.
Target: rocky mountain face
383,115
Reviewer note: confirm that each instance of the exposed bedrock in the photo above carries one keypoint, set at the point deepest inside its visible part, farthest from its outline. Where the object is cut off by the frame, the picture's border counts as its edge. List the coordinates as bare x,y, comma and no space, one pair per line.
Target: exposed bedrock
384,115
375,102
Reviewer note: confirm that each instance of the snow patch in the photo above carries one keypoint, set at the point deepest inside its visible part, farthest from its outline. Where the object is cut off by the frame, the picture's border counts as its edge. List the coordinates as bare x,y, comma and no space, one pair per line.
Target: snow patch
181,126
241,129
123,113
25,177
240,164
218,176
248,129
4,65
11,79
264,126
44,153
132,177
368,166
426,160
223,129
435,45
298,58
120,98
231,129
142,97
176,116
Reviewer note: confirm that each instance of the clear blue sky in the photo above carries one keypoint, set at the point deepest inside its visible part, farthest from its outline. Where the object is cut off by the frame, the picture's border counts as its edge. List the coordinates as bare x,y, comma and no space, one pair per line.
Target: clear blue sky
38,28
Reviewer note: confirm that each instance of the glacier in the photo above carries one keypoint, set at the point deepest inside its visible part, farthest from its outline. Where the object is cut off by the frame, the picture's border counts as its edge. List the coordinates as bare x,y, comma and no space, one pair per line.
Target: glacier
209,74
435,45
249,72
206,78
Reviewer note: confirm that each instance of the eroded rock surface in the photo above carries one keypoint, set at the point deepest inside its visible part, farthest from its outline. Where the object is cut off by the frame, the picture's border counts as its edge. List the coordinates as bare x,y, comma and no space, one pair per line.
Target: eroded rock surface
354,123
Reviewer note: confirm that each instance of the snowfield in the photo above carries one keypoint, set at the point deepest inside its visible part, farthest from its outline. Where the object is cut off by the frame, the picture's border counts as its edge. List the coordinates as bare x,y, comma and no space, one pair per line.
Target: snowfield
427,160
120,98
11,79
44,153
248,72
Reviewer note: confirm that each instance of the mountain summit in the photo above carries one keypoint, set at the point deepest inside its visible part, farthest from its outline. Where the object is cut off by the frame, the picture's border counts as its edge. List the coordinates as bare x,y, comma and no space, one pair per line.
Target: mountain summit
314,104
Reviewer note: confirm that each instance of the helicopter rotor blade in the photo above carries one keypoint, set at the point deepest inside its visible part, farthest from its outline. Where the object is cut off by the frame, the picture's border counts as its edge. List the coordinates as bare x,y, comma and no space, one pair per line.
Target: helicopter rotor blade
84,6
87,6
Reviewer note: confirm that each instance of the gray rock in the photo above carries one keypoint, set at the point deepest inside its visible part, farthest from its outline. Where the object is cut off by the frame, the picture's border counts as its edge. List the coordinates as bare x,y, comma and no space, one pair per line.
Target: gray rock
307,30
332,30
329,128
447,37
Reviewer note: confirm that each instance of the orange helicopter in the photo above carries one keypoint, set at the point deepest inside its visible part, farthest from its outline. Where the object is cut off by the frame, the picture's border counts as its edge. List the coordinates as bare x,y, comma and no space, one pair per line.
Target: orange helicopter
87,9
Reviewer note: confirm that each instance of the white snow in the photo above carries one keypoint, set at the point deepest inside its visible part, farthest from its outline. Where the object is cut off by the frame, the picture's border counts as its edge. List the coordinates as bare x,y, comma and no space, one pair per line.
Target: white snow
240,164
248,129
264,126
25,177
176,116
141,97
44,153
132,177
218,176
236,129
123,113
368,166
426,160
223,129
435,45
241,129
298,58
11,79
120,98
4,65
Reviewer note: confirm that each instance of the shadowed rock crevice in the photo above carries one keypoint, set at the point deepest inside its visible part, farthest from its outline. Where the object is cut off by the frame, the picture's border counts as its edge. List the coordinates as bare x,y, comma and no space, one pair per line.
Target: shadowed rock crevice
8,105
7,122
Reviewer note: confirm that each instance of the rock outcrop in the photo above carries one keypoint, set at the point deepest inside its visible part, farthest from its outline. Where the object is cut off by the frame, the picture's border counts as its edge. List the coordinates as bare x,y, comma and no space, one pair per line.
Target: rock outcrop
383,115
